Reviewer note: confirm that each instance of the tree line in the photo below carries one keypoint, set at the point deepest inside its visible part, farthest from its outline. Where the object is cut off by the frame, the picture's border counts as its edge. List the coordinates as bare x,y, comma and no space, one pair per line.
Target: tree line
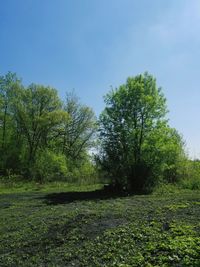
42,137
45,138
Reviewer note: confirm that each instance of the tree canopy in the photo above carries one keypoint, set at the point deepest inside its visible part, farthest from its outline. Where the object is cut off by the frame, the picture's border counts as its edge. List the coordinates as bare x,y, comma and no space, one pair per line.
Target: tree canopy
36,125
135,137
44,137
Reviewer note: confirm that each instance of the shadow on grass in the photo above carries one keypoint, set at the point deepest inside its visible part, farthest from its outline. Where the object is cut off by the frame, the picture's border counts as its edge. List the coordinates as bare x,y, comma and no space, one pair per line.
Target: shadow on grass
68,197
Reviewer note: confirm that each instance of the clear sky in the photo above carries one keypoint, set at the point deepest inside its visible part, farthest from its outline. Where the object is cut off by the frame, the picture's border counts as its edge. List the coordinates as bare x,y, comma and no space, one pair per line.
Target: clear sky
90,45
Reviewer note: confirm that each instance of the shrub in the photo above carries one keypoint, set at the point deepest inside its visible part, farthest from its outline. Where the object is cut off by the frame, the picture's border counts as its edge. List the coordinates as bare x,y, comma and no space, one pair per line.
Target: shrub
83,172
191,175
49,166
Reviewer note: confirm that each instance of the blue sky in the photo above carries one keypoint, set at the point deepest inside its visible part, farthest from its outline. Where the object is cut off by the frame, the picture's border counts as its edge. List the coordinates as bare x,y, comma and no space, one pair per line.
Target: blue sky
90,45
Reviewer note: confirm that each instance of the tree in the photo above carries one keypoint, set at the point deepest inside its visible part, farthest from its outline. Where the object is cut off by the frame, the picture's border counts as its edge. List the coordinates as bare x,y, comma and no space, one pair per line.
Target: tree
37,111
36,125
75,135
8,83
164,152
134,115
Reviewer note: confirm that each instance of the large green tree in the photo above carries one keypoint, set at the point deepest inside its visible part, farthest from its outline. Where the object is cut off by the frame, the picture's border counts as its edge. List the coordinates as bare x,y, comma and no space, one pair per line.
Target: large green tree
132,126
37,110
37,127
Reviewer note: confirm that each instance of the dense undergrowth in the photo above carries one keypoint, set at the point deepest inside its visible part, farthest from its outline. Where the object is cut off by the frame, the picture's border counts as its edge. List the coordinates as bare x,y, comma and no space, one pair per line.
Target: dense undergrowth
84,227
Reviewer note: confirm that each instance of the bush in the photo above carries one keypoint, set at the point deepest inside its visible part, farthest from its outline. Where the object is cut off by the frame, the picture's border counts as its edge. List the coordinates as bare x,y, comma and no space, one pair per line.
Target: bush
82,173
191,175
49,166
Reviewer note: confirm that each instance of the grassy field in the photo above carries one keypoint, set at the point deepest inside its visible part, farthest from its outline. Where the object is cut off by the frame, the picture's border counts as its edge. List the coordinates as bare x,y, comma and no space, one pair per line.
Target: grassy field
84,227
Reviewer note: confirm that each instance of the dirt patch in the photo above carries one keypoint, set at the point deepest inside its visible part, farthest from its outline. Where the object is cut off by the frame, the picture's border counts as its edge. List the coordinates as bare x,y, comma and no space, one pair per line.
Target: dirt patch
97,227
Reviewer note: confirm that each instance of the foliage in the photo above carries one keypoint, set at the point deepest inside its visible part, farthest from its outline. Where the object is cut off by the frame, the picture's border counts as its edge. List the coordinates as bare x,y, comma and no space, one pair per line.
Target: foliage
34,125
37,110
9,155
75,135
138,149
191,175
164,152
83,172
49,166
137,145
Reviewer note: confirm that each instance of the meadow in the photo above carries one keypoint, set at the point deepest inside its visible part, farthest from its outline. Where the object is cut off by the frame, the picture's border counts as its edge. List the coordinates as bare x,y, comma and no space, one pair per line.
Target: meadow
67,225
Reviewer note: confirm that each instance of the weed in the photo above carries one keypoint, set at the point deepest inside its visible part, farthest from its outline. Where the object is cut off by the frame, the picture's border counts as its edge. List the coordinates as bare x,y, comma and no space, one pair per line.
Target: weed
153,230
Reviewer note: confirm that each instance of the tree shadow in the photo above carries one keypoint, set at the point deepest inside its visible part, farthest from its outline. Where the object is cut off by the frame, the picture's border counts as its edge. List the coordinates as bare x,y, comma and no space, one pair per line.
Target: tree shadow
68,197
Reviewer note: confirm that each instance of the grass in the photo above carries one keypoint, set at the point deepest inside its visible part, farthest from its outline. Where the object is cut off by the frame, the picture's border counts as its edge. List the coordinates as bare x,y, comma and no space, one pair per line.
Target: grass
22,187
84,227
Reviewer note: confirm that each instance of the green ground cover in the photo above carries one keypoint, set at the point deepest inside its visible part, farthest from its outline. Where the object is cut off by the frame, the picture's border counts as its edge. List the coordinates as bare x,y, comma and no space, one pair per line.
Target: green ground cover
81,227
